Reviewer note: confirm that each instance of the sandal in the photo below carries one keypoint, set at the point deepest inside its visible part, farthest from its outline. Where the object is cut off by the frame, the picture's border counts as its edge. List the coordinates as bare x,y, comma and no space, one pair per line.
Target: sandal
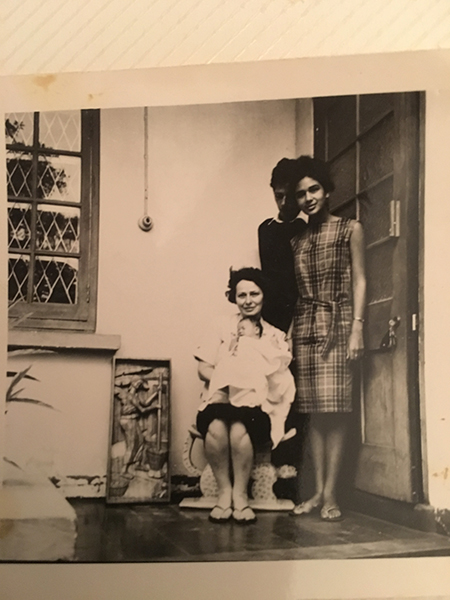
223,517
326,513
242,520
305,508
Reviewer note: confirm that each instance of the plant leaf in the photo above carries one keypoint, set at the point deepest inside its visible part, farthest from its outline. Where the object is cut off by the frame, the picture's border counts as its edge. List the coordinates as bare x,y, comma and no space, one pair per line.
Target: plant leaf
13,395
11,462
14,373
32,401
20,375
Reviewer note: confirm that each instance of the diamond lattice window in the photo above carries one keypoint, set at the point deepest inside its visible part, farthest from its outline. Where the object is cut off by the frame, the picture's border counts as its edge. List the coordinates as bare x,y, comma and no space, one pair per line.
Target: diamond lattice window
52,175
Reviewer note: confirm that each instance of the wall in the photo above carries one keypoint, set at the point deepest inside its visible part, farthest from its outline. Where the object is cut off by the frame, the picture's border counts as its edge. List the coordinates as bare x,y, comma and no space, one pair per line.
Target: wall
436,348
68,441
209,173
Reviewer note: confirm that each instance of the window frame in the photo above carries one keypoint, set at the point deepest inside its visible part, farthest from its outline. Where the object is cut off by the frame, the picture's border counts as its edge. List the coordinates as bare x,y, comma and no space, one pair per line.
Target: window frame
82,315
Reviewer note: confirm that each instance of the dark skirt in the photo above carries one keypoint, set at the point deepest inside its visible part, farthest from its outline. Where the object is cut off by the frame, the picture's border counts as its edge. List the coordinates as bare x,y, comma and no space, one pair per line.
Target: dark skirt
256,422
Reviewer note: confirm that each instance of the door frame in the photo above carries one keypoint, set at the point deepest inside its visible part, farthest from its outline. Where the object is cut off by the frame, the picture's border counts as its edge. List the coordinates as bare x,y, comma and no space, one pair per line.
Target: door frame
420,401
415,267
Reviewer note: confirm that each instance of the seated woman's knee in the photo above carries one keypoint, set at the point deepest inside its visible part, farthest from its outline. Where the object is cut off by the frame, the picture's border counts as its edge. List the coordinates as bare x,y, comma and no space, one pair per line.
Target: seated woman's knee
238,432
217,429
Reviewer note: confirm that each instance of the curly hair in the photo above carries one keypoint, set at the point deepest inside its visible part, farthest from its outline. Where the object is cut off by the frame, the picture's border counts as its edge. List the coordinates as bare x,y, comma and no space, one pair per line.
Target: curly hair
283,173
307,166
244,274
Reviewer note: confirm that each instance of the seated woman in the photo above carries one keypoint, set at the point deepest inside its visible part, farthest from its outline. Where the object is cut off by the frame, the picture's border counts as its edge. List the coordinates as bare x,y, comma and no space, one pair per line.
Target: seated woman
248,392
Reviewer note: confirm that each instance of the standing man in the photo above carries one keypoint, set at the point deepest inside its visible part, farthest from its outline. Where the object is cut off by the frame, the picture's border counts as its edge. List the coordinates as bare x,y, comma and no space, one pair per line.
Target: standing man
275,251
277,264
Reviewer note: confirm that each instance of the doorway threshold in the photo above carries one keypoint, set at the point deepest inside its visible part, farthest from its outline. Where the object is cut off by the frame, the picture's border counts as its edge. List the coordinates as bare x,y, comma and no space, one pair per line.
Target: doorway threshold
422,517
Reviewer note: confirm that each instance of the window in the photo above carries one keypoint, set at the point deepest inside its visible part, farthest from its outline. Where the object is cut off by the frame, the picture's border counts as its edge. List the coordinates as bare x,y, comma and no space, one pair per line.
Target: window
52,161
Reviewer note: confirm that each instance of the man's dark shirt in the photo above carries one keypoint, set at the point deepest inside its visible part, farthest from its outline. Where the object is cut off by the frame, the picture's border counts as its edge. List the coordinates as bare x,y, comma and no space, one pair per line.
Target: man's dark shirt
277,264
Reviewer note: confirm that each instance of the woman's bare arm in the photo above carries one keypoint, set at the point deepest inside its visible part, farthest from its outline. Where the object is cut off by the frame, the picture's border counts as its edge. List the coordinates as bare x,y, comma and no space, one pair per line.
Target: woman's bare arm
357,248
205,370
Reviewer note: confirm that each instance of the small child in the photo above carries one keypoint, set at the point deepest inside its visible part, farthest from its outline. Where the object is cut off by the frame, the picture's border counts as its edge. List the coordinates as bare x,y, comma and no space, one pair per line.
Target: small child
246,327
255,372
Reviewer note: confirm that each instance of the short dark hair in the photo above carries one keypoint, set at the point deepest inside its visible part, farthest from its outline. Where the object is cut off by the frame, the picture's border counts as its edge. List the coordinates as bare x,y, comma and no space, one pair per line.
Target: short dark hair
283,172
244,274
307,166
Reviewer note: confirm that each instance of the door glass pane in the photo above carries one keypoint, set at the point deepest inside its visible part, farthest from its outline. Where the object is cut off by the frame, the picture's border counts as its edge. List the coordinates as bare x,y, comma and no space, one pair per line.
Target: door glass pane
60,130
379,272
347,211
19,128
58,228
377,153
59,178
372,107
375,210
18,266
19,225
56,280
343,174
341,125
19,174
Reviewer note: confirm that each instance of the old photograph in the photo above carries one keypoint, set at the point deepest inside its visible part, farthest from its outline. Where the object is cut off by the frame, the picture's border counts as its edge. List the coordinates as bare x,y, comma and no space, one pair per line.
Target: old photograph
216,332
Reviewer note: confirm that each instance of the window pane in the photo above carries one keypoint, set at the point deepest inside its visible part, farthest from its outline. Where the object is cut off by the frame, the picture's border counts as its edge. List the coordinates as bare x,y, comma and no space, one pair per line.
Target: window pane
18,266
56,280
59,178
19,128
19,225
19,174
58,228
60,130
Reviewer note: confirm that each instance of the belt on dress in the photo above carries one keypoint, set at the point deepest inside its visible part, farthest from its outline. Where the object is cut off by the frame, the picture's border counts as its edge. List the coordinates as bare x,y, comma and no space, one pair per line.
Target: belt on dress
334,308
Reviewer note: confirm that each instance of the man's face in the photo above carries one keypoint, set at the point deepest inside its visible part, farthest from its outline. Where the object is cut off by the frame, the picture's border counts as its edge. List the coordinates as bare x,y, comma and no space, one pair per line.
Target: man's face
287,205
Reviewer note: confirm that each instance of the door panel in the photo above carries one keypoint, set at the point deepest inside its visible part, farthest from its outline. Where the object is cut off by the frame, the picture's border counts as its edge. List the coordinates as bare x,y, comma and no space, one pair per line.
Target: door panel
372,146
344,176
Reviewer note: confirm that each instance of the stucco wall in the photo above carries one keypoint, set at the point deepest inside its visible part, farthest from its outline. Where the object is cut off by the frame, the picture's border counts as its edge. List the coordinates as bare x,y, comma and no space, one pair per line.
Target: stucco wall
68,441
209,173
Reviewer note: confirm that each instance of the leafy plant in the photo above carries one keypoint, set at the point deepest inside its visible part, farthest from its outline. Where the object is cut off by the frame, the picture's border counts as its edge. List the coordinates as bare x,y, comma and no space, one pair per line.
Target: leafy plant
12,393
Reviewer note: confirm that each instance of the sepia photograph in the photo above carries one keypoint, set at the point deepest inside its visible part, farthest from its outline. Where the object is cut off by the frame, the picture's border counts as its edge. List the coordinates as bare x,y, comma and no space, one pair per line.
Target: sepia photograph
225,301
267,258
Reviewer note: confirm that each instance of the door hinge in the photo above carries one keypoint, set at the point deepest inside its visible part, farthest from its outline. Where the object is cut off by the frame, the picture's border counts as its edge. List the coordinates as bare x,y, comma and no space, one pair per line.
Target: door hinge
414,321
88,293
394,229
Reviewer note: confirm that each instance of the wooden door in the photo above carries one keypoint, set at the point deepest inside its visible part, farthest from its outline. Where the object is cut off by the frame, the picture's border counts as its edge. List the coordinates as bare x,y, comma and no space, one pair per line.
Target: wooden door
372,144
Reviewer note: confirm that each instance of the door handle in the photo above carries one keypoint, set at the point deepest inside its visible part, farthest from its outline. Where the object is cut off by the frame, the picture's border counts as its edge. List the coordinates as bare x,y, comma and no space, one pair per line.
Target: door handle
389,340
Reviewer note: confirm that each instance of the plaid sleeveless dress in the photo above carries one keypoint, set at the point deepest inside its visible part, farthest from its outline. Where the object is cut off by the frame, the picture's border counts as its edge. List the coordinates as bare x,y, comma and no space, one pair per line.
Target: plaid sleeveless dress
323,317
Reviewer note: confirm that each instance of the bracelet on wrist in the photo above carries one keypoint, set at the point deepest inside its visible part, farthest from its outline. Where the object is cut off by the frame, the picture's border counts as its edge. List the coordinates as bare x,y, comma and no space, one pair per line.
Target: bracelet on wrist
358,319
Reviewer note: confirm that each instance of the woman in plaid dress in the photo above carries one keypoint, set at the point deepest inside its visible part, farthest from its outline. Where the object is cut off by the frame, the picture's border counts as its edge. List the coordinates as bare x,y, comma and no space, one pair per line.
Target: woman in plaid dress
328,327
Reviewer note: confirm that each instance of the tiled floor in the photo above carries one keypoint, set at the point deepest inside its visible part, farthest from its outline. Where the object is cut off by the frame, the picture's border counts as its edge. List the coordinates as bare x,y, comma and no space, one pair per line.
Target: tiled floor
137,533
